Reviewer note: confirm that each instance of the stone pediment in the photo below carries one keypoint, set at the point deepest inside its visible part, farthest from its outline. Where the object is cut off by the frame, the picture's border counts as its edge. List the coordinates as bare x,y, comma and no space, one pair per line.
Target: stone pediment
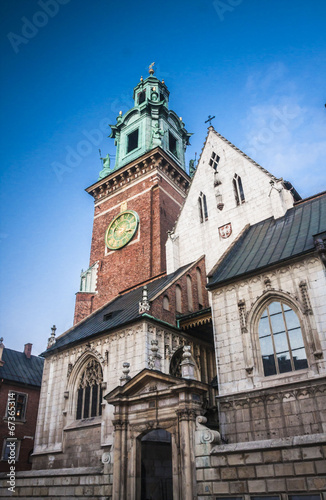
151,382
145,382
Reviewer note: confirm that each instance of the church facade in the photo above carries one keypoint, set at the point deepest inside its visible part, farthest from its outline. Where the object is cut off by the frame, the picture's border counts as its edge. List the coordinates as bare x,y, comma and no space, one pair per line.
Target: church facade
195,368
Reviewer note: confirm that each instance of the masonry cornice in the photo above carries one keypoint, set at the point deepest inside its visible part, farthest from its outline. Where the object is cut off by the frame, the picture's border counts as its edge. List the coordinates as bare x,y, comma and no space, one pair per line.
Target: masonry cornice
154,160
276,390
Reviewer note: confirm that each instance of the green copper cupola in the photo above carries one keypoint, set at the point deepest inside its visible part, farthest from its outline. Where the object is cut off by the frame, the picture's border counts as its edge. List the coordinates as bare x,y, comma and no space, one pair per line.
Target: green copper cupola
149,124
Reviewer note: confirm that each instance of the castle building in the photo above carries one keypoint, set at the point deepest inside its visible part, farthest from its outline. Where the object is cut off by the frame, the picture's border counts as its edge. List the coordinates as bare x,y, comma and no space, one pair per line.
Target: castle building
20,385
195,368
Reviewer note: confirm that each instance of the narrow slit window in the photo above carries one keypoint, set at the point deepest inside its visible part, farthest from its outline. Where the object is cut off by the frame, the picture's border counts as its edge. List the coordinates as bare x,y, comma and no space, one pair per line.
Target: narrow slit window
132,141
199,288
141,97
189,294
238,190
166,303
173,144
178,299
202,207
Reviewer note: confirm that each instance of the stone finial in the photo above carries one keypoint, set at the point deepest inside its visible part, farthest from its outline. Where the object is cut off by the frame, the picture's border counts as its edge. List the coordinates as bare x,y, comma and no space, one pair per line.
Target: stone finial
144,305
52,339
187,364
154,362
125,377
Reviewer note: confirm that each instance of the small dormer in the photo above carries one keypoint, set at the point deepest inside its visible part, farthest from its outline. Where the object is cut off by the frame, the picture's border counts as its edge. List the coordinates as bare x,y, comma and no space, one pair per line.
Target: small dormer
149,124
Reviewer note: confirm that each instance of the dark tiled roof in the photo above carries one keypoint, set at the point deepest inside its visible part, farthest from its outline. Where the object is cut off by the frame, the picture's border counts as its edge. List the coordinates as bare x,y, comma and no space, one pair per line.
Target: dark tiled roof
123,309
272,241
18,368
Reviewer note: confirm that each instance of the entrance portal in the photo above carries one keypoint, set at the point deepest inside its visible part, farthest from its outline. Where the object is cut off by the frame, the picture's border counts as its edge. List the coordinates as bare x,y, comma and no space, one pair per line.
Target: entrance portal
156,466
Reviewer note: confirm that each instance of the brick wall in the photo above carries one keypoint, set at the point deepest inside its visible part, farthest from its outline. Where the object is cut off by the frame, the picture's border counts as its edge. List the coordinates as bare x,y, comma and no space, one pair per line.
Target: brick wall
84,305
157,203
159,312
24,430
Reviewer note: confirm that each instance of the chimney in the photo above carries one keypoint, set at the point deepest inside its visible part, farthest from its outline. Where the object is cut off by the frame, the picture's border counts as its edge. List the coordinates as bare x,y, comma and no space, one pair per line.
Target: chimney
1,351
28,350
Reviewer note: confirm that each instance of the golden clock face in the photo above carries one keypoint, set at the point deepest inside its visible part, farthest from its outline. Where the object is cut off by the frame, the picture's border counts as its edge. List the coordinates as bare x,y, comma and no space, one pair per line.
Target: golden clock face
121,230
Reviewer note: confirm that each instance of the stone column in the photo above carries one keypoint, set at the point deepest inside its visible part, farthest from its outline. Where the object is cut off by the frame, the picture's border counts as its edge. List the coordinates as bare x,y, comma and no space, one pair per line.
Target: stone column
187,490
117,460
124,462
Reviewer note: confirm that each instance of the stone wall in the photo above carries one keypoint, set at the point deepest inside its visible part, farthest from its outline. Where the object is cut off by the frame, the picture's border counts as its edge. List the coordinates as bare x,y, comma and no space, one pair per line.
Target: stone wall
260,203
282,411
236,308
62,484
289,465
57,410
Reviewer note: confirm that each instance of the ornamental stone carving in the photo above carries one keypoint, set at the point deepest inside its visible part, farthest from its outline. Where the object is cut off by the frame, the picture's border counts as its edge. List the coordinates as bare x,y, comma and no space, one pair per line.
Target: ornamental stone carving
206,435
305,297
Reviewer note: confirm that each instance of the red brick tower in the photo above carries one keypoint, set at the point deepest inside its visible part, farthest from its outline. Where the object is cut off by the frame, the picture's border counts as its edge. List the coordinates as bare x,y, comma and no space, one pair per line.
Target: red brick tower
137,202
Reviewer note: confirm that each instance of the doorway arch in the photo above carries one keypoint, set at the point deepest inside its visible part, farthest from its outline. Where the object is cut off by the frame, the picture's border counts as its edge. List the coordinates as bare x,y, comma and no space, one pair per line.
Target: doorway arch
156,465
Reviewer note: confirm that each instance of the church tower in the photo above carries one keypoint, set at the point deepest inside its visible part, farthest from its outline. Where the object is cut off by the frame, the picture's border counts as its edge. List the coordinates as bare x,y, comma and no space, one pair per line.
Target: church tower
138,200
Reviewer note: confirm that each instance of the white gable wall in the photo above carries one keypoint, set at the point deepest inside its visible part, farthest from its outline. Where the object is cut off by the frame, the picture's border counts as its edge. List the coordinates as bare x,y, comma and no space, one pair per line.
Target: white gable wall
191,238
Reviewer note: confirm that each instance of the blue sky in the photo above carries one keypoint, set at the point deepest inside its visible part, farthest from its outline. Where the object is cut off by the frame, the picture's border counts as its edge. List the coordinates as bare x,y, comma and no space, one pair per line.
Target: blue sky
68,67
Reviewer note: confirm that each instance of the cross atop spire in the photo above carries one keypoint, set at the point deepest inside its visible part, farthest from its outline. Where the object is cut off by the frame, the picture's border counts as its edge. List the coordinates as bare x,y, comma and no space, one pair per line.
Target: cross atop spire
210,118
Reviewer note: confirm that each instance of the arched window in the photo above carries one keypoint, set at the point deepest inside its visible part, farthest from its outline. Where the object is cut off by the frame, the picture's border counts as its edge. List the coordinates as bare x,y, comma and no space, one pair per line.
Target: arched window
238,190
202,207
166,303
89,393
281,342
199,288
175,365
189,294
178,299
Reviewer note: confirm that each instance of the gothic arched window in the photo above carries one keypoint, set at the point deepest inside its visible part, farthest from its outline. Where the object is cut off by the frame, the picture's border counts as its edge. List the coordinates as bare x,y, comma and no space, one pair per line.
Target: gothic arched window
199,288
166,303
238,190
281,342
178,299
189,294
202,207
89,393
175,365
